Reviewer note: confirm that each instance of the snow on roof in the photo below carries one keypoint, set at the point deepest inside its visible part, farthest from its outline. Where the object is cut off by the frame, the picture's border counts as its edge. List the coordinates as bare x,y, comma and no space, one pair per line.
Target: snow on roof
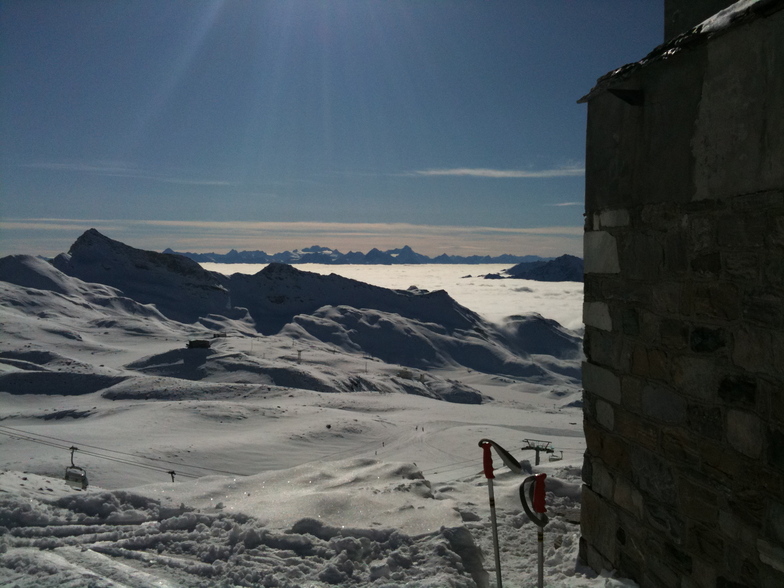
741,12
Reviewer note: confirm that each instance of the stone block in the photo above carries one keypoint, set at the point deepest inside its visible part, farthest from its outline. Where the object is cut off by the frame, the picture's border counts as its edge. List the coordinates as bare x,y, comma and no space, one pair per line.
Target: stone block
776,448
597,314
764,308
674,334
758,201
630,322
615,453
605,415
722,582
707,265
661,217
736,529
707,340
717,301
614,218
774,267
663,404
758,349
602,382
603,347
703,574
653,476
706,421
630,426
628,497
771,554
641,257
744,433
681,446
676,252
593,438
775,238
703,233
734,231
665,576
697,377
602,481
600,253
742,266
698,502
587,471
665,520
631,390
705,543
739,390
774,522
666,297
772,395
724,466
598,523
770,578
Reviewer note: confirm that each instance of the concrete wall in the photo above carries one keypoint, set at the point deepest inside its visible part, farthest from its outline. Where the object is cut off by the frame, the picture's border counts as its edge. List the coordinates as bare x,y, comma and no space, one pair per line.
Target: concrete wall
684,314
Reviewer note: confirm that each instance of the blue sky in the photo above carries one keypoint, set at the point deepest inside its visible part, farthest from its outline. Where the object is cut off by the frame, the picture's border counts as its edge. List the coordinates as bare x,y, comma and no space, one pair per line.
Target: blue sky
205,125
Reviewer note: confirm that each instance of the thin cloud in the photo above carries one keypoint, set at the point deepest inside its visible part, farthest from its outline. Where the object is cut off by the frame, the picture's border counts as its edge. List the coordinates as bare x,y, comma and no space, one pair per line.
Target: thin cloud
123,170
182,235
566,204
560,172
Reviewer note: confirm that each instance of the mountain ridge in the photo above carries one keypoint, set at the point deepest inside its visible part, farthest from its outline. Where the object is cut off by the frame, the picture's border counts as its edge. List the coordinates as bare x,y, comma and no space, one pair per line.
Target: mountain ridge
328,256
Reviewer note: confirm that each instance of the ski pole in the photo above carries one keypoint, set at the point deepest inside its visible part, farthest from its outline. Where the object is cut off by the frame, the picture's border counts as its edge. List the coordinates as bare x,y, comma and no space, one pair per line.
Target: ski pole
536,493
487,463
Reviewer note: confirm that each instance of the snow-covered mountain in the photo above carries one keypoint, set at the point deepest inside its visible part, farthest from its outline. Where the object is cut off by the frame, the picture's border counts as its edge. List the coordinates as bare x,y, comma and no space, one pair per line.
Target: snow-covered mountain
176,285
566,268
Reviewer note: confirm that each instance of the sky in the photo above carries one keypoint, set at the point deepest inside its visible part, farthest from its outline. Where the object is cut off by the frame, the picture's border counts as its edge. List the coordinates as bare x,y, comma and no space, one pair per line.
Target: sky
450,126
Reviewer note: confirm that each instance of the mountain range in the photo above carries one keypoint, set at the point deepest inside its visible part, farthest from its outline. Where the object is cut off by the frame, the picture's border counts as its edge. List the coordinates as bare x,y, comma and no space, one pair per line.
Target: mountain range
326,255
413,328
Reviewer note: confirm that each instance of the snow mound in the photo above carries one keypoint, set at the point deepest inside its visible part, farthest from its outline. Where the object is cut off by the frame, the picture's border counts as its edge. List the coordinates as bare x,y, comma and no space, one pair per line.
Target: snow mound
122,537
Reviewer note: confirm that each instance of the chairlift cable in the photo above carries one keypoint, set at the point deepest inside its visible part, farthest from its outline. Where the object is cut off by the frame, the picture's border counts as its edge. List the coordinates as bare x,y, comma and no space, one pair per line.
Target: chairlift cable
94,454
69,443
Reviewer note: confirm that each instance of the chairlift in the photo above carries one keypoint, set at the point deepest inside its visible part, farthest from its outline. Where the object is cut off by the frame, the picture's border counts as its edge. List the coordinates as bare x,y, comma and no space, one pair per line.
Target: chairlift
554,457
75,476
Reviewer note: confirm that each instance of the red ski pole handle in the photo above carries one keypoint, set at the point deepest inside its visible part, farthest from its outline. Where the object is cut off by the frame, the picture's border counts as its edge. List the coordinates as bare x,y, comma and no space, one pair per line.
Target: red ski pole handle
487,460
539,493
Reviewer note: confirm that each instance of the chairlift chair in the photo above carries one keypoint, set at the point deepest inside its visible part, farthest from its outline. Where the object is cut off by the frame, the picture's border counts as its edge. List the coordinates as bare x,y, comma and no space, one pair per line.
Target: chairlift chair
76,477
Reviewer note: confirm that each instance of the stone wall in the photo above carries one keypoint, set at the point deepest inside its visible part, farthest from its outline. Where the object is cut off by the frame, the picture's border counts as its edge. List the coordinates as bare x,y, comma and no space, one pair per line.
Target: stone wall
684,315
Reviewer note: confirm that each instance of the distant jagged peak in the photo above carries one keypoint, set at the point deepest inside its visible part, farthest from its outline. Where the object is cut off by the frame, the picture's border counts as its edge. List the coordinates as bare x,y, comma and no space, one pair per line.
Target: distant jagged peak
332,256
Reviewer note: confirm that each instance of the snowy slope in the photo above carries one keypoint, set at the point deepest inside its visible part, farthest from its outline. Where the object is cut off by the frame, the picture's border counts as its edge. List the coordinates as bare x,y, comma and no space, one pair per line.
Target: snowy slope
340,450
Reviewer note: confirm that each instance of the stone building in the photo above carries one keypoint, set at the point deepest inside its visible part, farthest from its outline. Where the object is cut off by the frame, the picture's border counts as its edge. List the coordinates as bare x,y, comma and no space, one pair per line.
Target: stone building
684,305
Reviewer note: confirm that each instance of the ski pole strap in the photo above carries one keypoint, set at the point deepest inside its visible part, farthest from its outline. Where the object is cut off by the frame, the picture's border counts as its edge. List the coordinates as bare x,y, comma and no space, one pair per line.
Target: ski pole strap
505,456
536,493
487,458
